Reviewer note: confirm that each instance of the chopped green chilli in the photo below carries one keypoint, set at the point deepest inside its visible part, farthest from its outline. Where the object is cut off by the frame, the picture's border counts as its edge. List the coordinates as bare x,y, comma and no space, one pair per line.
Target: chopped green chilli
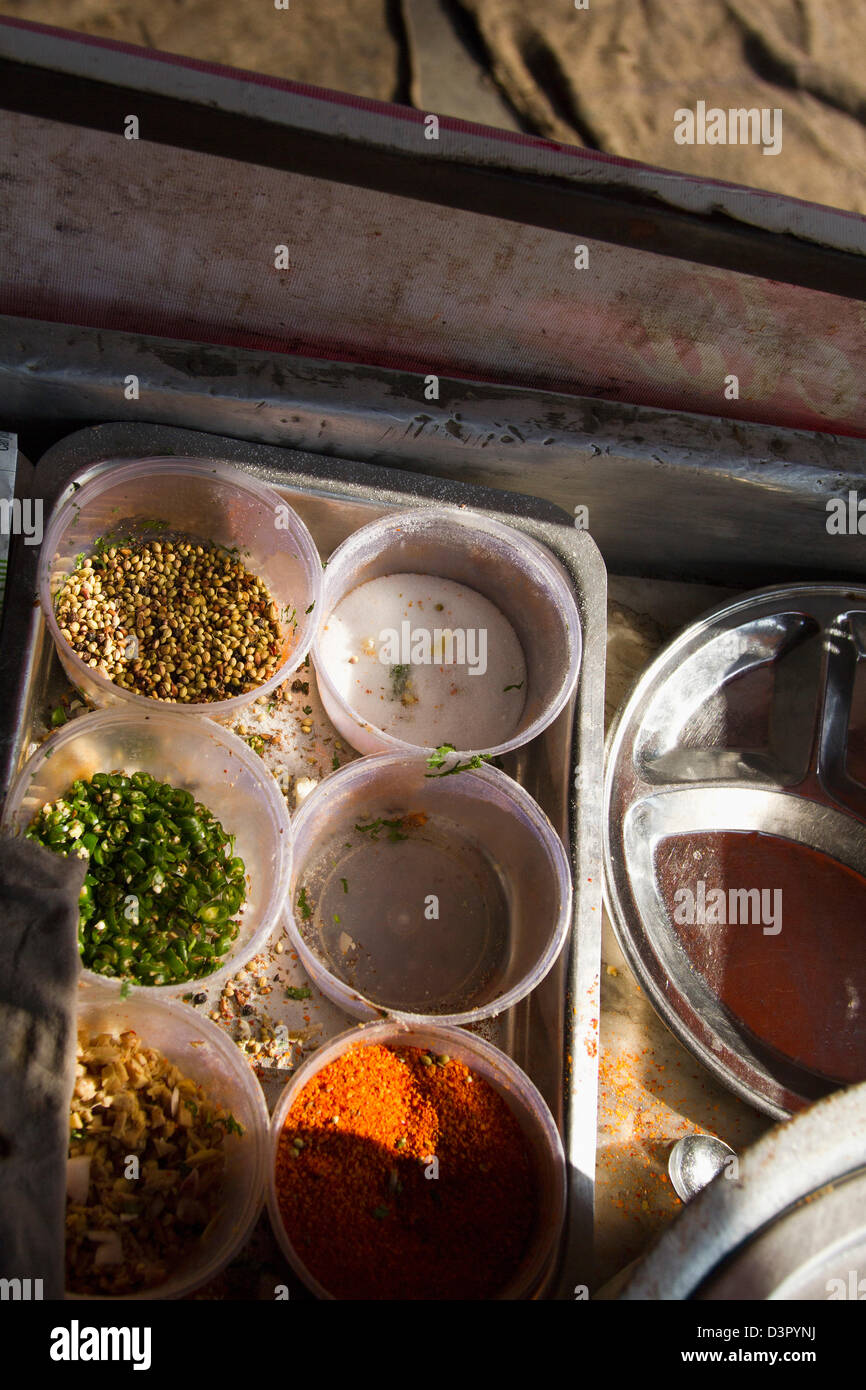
163,886
440,756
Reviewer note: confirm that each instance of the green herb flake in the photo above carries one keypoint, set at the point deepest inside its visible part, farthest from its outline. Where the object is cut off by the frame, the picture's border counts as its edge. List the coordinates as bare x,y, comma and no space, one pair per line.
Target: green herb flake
304,906
399,676
512,687
440,755
298,992
437,758
345,883
375,828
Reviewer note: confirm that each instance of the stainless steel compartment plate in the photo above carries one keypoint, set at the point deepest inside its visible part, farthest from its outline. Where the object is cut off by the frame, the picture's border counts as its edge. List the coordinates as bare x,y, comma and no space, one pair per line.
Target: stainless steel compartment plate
553,1034
736,772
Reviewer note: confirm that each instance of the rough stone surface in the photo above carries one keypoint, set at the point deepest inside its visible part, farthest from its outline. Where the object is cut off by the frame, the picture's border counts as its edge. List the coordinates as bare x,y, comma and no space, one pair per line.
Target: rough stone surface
612,76
350,45
609,76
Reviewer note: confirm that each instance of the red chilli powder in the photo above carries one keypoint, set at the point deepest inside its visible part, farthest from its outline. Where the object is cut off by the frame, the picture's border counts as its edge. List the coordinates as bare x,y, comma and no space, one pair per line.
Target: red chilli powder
403,1175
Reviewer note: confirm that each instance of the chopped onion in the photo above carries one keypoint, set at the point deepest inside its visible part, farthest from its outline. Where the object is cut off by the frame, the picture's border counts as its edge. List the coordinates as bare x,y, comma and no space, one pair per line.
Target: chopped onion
78,1178
110,1250
303,787
190,1185
175,1101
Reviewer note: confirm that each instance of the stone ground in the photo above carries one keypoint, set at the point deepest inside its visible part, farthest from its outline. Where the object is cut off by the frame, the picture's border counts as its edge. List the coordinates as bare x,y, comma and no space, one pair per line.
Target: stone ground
608,77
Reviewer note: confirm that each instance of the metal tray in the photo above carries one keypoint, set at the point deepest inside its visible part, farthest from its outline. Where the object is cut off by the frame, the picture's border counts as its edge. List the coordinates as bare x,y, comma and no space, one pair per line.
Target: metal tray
750,725
553,1034
791,1227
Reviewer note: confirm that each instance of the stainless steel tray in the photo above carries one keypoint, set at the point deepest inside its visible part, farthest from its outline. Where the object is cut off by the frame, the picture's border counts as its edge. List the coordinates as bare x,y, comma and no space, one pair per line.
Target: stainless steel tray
553,1035
750,725
791,1227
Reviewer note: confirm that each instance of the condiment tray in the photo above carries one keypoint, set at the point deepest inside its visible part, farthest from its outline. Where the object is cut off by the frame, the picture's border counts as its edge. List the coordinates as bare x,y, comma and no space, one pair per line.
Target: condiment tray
553,1034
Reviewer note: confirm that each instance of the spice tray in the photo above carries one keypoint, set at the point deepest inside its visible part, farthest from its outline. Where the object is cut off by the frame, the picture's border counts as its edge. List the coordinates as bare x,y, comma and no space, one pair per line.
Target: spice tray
271,1010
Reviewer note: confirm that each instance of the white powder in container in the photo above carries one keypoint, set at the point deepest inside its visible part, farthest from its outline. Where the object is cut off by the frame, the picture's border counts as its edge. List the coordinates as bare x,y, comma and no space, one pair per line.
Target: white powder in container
428,661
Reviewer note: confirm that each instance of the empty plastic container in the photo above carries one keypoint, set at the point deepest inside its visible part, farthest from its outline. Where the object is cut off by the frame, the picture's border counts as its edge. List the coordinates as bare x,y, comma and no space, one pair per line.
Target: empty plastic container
443,899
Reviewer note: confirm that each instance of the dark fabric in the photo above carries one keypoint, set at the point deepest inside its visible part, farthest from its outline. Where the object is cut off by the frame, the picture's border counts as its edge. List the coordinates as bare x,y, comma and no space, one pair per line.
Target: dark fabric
39,967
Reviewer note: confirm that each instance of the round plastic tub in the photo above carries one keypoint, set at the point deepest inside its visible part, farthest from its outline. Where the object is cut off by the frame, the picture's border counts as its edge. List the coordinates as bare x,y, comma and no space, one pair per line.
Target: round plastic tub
198,755
449,917
210,502
205,1054
522,1097
524,581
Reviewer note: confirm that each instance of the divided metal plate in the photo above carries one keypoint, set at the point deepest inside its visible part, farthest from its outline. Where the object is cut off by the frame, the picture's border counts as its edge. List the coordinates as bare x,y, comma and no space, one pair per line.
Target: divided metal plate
735,852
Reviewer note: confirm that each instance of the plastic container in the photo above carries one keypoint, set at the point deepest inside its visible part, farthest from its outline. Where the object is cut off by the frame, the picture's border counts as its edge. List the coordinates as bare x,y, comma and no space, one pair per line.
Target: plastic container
524,1100
525,582
366,929
202,499
208,1056
205,759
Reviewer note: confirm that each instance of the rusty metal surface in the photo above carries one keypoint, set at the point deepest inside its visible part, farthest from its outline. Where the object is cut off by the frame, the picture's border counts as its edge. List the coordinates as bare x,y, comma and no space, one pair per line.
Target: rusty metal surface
371,124
454,255
668,494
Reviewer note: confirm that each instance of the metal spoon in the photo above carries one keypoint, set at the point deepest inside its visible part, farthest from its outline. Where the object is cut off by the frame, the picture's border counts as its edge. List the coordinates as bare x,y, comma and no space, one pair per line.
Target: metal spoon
694,1161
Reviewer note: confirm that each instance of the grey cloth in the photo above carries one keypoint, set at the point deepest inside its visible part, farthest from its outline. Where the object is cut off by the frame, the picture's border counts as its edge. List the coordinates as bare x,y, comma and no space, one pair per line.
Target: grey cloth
39,967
